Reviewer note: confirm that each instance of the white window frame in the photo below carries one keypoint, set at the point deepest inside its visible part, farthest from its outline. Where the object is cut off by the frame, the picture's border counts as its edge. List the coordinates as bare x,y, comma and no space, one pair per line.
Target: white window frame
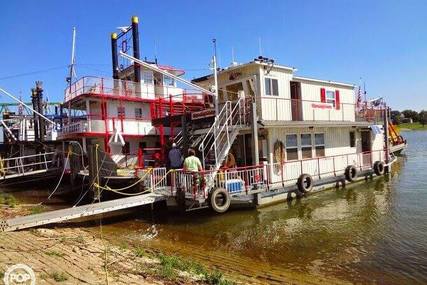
331,99
146,75
306,146
119,108
138,113
170,79
291,147
270,83
319,145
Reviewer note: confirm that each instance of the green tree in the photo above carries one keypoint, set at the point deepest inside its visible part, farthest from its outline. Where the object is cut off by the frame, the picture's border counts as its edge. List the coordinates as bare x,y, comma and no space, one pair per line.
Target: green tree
411,114
422,117
395,117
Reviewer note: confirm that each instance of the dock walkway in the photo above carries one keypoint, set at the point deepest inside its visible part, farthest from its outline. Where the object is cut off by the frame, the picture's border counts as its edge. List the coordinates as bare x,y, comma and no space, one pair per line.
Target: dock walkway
79,212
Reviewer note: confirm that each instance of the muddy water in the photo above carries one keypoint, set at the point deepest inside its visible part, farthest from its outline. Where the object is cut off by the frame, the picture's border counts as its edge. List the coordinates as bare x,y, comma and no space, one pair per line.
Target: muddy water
374,232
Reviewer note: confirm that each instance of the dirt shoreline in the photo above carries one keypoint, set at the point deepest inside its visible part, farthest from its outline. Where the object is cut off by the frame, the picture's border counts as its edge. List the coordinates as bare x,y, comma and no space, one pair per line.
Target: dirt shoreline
85,256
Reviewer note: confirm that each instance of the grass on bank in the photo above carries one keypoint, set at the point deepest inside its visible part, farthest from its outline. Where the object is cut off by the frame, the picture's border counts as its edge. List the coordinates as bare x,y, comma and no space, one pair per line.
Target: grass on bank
411,126
8,199
170,267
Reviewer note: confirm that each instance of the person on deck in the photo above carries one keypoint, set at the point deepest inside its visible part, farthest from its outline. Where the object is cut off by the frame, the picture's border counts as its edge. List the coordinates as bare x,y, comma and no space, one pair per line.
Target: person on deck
192,162
175,157
230,161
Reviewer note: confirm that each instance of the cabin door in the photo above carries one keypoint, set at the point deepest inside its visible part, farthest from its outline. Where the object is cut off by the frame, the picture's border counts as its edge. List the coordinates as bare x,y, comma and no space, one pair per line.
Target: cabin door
296,101
366,148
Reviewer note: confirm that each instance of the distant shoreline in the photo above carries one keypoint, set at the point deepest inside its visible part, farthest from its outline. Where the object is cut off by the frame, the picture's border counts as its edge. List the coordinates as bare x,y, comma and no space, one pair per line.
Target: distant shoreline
412,127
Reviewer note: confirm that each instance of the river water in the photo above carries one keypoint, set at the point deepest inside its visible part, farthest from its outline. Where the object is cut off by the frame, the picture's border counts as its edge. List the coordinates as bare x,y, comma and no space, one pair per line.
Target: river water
371,233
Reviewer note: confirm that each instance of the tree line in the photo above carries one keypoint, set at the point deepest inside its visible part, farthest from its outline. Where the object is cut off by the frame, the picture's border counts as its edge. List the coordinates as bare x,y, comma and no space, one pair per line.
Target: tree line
405,116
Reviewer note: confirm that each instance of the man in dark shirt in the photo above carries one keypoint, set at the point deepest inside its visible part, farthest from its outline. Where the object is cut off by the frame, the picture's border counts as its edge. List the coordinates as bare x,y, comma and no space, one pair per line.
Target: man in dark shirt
175,157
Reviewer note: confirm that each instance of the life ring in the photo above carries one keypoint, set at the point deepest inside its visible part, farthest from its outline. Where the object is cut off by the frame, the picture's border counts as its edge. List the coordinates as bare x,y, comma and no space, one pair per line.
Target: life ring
379,168
219,200
350,173
305,183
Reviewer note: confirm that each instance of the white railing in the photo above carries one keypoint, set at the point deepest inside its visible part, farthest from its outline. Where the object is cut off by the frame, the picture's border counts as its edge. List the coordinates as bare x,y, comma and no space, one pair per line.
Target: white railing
285,109
246,180
130,89
23,165
218,140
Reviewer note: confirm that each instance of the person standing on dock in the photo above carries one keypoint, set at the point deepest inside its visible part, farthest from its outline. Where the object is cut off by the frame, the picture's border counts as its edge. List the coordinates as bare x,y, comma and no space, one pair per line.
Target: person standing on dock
175,157
192,162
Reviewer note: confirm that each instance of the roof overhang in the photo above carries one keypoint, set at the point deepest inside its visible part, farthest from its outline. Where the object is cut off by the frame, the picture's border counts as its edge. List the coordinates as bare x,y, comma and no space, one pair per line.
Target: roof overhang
291,124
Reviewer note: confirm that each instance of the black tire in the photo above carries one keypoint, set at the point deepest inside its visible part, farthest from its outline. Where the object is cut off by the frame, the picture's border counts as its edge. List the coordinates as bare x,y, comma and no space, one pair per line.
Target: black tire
379,168
219,200
350,173
305,183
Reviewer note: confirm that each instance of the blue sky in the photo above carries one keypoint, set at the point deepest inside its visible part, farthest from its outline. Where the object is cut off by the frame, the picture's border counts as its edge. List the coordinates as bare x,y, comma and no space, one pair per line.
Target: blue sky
384,42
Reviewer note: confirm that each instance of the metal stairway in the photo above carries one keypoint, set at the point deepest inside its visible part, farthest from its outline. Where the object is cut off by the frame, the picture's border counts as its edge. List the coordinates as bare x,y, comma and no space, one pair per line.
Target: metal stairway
78,212
220,137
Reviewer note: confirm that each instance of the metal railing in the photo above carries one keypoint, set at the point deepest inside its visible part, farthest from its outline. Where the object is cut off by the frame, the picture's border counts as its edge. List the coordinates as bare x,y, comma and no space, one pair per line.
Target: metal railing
286,109
129,89
24,165
221,135
246,180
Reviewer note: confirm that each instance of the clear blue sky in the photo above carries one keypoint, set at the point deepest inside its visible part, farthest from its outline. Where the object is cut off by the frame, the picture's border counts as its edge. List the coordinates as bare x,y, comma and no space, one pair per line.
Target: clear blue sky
384,42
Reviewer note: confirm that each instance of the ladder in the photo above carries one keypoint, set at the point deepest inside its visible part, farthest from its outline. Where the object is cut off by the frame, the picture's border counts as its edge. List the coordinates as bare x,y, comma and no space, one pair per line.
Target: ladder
78,212
220,137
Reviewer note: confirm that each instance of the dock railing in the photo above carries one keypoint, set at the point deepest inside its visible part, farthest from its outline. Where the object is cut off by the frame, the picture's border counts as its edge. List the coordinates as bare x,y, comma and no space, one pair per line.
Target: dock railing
25,165
247,180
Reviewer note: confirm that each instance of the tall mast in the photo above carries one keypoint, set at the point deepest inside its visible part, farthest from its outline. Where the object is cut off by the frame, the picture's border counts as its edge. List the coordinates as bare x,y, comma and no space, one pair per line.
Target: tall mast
73,59
215,78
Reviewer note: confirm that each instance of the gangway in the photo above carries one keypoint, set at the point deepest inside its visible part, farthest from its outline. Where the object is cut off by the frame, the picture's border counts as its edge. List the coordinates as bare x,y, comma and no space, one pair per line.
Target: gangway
56,216
27,165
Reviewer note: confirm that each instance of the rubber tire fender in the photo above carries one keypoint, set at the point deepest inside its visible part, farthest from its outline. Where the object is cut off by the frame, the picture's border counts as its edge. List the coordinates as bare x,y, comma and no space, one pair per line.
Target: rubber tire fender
301,183
379,168
350,173
213,203
180,199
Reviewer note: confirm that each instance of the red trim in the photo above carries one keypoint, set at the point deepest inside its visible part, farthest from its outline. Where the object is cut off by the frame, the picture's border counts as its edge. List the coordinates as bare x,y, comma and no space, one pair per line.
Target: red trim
322,95
337,100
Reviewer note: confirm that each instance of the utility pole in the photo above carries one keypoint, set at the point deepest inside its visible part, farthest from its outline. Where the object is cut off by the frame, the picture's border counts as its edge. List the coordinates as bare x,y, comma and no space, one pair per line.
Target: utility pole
215,78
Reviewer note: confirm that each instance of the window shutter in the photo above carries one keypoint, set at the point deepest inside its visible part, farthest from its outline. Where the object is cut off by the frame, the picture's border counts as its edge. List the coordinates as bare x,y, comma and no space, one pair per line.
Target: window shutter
337,100
322,95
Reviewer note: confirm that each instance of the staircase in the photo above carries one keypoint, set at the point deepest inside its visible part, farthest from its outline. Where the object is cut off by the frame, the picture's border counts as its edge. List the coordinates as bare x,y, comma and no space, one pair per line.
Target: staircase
218,140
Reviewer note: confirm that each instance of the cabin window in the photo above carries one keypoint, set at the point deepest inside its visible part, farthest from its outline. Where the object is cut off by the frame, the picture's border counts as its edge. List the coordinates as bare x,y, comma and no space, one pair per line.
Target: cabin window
352,139
271,87
138,113
121,111
291,147
319,144
168,81
126,148
306,146
147,77
330,97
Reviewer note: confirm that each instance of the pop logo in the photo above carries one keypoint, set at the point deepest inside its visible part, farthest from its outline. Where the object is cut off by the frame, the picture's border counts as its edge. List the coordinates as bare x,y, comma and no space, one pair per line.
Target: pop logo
19,274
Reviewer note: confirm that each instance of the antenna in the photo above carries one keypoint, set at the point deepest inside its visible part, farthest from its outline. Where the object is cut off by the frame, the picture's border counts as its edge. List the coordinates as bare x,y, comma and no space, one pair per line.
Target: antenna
72,74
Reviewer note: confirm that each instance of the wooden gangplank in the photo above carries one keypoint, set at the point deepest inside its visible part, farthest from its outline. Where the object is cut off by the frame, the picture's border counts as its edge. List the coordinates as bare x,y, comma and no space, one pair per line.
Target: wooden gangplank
79,212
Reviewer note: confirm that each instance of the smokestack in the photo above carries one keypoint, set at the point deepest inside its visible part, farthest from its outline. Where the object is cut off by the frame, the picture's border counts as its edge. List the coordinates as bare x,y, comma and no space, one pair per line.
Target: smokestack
135,41
115,56
34,100
39,91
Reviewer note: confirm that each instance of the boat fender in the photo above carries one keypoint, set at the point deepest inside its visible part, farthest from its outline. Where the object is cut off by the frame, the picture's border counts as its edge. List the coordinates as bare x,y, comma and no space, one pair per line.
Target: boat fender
305,183
379,168
219,200
350,173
